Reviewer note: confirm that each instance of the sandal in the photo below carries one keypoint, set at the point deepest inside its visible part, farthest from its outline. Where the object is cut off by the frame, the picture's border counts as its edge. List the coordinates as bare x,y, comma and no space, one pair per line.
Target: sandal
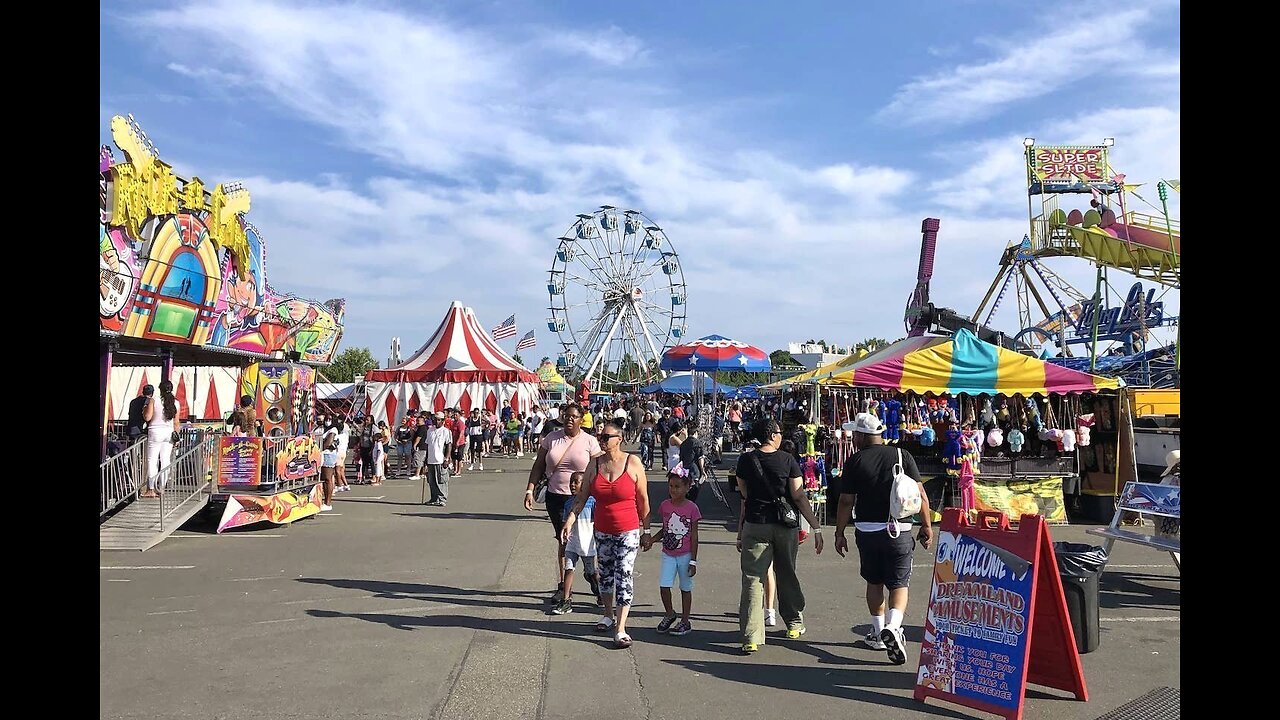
622,641
604,624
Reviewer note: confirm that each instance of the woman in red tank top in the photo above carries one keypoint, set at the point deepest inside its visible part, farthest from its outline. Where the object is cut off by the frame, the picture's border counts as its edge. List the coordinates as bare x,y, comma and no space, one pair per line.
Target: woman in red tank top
617,481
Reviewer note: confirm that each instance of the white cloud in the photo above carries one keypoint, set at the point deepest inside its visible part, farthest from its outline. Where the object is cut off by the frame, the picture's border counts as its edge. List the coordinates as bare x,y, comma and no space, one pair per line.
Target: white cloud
210,74
610,46
1028,67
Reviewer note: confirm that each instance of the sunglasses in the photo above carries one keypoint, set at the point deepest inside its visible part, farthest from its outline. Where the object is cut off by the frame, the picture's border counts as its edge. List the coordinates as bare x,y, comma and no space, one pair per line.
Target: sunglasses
606,437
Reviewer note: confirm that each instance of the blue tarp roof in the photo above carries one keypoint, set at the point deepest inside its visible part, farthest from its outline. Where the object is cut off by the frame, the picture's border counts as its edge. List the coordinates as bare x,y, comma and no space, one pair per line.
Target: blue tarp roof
683,383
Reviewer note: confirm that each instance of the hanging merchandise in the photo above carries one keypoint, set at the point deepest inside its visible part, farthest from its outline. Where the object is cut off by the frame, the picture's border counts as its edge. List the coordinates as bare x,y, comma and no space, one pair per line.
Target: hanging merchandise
892,421
952,452
810,434
995,437
975,453
1016,439
1033,415
1002,410
988,417
928,436
966,485
1084,423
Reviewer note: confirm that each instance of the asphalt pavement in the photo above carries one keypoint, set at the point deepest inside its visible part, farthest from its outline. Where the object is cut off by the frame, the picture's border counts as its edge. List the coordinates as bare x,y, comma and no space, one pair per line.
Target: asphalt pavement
385,608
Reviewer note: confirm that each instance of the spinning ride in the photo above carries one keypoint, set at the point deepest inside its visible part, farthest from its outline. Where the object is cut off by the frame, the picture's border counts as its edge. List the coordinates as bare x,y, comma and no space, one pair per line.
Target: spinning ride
617,298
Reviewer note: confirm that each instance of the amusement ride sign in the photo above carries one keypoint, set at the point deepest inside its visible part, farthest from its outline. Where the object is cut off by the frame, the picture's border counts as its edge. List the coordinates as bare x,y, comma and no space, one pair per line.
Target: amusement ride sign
1140,313
1068,165
239,461
997,617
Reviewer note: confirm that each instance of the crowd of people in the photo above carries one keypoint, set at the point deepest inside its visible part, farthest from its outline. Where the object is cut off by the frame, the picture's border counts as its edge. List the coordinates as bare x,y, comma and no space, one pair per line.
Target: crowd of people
596,498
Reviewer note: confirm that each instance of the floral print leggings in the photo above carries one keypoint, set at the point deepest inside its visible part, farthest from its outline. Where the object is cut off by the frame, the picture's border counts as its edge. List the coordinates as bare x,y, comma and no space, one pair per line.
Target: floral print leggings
616,556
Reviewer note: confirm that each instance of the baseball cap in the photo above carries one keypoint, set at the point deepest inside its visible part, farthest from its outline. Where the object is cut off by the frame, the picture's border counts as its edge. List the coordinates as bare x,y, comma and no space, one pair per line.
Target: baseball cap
1173,458
865,423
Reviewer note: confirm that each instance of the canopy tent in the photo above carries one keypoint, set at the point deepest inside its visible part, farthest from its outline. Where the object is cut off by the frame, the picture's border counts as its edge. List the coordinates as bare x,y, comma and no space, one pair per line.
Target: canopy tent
682,382
826,370
460,366
962,364
716,352
335,391
747,392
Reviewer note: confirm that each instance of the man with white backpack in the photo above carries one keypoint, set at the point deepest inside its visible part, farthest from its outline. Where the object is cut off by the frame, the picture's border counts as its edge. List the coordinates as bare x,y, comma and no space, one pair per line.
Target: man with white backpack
882,484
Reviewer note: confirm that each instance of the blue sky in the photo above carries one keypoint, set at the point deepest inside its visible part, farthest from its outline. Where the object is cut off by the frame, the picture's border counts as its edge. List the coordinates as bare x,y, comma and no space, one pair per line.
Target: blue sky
404,155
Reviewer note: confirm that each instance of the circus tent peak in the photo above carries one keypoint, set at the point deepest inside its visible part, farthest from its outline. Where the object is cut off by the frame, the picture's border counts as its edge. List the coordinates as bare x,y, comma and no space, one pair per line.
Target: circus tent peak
460,350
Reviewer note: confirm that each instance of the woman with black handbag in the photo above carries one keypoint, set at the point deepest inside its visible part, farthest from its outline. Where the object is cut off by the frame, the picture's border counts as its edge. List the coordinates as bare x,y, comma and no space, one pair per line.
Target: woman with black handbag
773,499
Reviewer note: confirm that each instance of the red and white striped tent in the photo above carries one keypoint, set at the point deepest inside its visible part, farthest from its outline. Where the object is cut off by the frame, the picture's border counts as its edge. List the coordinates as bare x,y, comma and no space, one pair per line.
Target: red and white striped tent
460,366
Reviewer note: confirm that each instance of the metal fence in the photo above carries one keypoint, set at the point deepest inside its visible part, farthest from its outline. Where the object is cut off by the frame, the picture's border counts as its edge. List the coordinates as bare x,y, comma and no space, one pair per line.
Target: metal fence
122,475
191,472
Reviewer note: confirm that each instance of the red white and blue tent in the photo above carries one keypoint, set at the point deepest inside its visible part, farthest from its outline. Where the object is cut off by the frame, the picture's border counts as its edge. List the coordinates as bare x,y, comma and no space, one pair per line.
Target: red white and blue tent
460,366
716,352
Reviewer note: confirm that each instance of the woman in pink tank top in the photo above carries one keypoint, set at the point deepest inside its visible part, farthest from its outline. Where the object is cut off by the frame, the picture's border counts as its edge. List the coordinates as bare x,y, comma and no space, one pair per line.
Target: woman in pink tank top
617,481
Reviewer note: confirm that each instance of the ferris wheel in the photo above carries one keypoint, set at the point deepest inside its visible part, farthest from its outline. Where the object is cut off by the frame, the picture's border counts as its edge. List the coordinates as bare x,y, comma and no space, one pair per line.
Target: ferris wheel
617,297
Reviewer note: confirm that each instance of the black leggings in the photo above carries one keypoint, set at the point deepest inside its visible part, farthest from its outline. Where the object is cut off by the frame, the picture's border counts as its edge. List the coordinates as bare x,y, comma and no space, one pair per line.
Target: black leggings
555,510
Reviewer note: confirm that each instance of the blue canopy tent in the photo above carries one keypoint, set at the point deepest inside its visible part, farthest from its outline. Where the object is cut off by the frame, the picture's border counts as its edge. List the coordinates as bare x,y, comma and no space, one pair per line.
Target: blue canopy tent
682,382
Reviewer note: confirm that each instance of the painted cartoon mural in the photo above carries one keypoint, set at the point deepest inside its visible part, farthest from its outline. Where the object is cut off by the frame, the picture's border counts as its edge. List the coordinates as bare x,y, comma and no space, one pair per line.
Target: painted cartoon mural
181,264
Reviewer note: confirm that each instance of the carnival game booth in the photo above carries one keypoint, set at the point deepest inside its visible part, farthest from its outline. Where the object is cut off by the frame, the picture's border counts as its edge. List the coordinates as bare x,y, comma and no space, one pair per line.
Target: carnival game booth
1018,424
459,366
184,297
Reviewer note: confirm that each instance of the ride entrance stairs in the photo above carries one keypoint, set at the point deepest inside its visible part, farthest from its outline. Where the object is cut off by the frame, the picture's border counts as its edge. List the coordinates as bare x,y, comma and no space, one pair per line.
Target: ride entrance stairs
138,526
130,521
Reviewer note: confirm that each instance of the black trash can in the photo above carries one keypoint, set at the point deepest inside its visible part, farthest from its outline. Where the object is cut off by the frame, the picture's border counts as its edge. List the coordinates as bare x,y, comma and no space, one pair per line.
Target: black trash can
1080,567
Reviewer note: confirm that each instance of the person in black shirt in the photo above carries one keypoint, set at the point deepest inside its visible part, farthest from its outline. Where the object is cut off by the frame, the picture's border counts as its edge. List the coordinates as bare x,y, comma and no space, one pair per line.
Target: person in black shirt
764,540
421,436
136,426
884,544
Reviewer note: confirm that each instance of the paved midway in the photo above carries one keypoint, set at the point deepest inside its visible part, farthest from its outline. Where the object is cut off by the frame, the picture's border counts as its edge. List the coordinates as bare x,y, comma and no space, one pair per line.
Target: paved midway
385,608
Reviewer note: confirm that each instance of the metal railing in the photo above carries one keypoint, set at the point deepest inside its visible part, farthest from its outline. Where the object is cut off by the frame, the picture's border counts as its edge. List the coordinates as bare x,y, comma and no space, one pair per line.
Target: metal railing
122,474
191,471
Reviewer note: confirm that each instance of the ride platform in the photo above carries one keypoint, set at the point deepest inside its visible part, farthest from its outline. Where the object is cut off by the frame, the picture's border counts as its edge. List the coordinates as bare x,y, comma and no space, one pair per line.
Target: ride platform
138,526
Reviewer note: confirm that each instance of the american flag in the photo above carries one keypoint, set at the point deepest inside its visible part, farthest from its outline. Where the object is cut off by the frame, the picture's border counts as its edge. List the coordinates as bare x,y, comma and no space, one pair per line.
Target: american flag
505,330
526,342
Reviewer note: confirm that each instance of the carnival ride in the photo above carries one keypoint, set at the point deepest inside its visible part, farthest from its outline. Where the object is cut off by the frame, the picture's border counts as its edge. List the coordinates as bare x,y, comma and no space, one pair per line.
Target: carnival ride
1053,316
617,298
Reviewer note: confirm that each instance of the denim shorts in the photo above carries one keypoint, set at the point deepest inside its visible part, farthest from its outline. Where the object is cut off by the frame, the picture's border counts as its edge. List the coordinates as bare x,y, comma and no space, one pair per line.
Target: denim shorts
676,566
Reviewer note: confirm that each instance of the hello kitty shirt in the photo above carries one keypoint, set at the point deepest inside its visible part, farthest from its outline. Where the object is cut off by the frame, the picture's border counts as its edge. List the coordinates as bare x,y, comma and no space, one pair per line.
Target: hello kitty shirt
677,520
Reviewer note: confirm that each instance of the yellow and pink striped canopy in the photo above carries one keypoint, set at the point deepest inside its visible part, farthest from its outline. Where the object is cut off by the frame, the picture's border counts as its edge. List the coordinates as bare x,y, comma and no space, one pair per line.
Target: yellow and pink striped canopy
962,364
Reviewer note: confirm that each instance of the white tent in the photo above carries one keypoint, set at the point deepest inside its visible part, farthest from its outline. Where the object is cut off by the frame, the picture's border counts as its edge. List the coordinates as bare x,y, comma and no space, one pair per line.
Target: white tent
460,366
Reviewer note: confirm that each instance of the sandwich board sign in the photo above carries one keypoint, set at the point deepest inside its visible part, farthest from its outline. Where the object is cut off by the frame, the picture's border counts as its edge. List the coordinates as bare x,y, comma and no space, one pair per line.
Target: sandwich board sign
997,618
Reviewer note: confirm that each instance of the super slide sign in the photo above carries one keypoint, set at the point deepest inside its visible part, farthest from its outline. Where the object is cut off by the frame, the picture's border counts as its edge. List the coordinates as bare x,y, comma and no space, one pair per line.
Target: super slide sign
1068,165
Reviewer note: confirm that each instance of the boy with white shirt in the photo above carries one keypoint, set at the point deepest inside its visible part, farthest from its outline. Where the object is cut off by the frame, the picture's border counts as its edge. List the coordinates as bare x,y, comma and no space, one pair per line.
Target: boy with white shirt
439,438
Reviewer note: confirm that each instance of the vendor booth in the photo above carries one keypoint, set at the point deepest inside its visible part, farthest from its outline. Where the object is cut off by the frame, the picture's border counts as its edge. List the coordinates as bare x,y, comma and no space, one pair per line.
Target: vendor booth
1024,431
459,366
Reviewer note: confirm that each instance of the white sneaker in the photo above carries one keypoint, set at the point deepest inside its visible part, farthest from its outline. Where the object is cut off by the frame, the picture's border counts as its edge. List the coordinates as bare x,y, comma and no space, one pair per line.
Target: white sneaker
519,455
415,477
481,467
872,640
770,618
895,641
326,508
472,466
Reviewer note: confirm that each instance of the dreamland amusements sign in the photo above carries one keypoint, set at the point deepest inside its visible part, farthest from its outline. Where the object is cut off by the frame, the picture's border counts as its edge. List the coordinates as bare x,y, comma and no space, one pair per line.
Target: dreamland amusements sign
993,590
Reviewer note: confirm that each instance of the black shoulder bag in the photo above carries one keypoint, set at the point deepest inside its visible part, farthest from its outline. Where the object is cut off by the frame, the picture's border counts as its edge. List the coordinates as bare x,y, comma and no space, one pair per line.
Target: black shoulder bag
787,514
